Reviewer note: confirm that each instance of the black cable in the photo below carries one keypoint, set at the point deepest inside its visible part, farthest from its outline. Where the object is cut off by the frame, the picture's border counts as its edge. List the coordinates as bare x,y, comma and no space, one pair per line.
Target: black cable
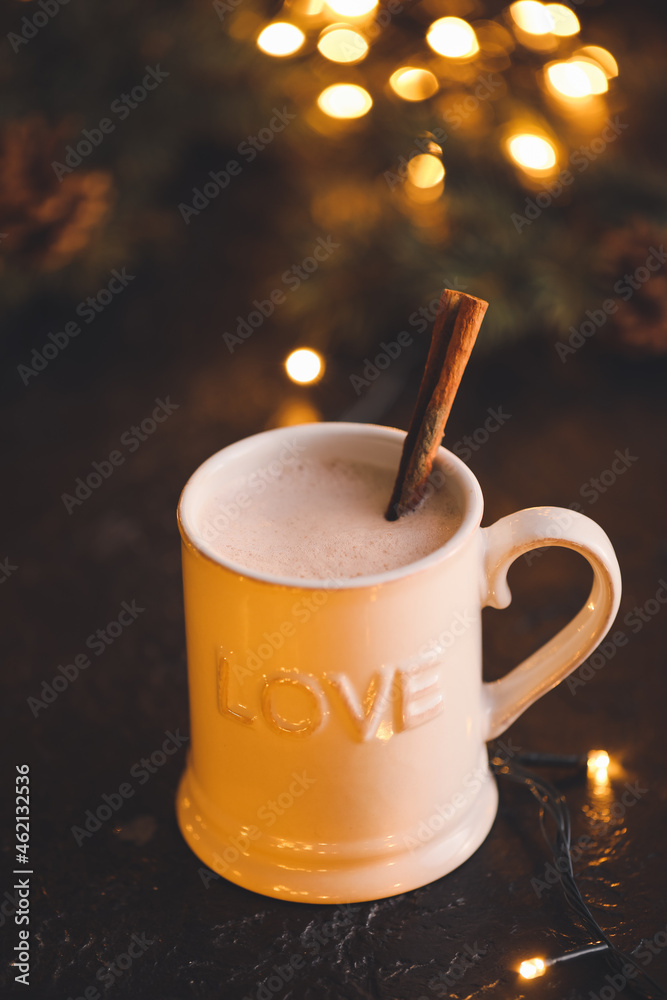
554,807
577,760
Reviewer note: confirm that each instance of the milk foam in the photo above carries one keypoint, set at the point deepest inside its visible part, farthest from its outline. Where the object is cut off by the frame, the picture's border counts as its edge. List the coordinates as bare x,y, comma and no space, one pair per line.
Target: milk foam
323,520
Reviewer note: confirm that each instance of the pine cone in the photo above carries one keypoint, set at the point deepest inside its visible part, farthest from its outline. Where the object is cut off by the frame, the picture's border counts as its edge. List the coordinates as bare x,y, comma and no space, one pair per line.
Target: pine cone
637,277
45,222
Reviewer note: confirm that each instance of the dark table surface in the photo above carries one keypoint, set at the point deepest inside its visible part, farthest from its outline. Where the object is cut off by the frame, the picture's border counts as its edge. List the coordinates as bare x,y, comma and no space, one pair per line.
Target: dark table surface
462,936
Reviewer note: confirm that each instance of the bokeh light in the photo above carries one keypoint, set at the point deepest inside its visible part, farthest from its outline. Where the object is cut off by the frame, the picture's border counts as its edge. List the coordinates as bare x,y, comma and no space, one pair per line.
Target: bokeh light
281,39
532,17
576,78
532,152
601,56
413,84
342,44
345,100
304,365
452,37
565,21
532,968
352,8
425,170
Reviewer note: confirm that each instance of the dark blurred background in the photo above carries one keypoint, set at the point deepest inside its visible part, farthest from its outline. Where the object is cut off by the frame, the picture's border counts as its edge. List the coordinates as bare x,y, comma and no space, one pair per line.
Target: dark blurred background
160,177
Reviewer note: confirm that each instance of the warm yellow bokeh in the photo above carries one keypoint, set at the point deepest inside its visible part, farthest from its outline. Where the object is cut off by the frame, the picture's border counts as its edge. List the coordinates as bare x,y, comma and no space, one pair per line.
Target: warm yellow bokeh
532,17
345,100
452,37
532,152
281,39
425,170
601,56
304,365
565,21
576,78
342,44
352,8
413,84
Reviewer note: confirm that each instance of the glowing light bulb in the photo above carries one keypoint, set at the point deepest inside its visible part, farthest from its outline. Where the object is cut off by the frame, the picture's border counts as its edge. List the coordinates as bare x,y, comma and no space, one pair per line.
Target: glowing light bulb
413,84
342,44
532,17
304,366
352,8
533,152
345,100
598,763
600,56
598,760
532,968
576,78
452,37
281,39
425,170
565,21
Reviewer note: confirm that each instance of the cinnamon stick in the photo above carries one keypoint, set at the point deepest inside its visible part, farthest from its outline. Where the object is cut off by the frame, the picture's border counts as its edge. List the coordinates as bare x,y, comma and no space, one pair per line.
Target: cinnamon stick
454,333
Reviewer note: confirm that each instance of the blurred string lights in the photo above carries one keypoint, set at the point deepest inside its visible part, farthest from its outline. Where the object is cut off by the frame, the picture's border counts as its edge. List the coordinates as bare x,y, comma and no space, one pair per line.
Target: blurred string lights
562,85
556,830
343,32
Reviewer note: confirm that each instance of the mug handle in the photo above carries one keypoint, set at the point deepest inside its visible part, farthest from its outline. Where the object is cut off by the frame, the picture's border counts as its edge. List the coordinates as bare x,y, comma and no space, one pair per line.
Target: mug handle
510,537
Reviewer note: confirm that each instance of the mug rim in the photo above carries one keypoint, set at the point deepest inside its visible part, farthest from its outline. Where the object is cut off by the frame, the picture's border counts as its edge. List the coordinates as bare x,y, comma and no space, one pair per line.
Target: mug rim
471,520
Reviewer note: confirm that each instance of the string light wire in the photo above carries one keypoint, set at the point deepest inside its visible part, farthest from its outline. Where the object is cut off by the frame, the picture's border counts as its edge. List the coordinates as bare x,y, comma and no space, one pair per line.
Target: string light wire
554,811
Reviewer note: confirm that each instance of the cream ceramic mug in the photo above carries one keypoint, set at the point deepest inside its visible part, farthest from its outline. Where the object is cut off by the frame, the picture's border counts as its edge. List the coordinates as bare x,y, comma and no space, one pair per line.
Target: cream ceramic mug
338,728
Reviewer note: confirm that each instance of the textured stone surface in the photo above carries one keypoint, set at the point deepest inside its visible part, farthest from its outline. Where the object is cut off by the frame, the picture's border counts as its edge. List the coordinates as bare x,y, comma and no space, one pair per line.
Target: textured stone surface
462,936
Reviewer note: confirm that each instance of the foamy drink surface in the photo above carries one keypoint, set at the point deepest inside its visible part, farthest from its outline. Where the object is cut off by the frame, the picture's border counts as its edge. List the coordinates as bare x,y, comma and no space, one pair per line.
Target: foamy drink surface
324,519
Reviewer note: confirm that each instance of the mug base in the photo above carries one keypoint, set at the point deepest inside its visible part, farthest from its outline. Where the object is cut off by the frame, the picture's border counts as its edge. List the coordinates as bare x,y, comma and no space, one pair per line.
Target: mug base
355,882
